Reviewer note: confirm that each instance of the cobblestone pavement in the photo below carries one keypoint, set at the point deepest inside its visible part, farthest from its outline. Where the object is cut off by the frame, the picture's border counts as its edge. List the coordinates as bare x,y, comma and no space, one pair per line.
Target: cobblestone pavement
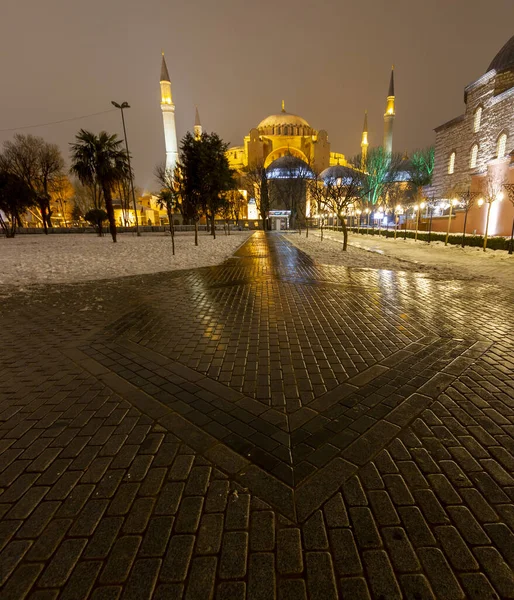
269,428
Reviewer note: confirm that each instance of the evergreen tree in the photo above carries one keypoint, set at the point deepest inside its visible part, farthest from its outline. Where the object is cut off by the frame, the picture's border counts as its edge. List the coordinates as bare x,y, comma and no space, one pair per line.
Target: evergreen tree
206,176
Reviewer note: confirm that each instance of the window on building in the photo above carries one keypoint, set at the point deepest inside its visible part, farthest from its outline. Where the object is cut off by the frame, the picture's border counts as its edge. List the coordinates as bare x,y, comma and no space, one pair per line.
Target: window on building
502,145
478,118
474,156
451,164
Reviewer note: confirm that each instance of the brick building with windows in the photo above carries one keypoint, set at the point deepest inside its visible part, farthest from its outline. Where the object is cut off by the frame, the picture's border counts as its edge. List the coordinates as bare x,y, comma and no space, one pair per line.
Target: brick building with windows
476,149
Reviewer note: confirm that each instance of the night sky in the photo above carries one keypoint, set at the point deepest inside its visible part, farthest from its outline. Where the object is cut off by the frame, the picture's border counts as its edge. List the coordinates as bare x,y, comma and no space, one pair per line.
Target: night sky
328,59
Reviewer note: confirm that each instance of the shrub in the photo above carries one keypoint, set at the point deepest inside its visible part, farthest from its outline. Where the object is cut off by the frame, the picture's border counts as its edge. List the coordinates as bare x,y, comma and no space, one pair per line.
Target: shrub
96,216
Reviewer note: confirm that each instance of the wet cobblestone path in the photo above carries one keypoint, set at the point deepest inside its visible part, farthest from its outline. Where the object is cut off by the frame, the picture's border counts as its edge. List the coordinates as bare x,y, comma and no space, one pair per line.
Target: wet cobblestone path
269,428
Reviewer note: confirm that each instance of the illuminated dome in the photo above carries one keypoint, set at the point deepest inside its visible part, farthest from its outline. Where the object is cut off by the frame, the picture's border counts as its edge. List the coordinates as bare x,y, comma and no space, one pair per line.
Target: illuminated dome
284,123
336,172
283,118
504,60
289,167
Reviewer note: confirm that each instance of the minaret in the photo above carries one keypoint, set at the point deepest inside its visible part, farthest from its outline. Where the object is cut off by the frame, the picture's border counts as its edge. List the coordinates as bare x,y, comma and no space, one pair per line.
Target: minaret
168,117
198,125
364,142
389,117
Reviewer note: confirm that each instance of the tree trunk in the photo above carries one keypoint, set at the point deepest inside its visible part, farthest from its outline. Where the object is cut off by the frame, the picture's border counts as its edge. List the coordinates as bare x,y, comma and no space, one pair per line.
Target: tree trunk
213,228
345,233
172,231
42,210
464,227
110,212
196,232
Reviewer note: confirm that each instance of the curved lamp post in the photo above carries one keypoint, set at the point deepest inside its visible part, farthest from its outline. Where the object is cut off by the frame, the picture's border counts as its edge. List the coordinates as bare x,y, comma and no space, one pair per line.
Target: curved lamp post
122,106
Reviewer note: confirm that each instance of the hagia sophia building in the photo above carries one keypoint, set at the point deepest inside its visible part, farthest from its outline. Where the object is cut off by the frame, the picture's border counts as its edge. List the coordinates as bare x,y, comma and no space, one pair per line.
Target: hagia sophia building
274,137
470,150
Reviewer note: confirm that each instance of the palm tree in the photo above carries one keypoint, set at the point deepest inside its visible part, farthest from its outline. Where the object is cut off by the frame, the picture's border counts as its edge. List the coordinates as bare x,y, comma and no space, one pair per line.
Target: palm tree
100,158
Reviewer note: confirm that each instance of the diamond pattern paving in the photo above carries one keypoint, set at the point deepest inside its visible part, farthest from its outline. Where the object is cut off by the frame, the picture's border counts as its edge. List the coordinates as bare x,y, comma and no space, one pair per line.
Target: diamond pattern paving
269,428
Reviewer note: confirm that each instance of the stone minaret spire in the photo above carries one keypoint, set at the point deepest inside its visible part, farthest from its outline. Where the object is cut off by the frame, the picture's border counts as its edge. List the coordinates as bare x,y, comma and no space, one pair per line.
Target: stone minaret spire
198,125
364,141
168,117
389,117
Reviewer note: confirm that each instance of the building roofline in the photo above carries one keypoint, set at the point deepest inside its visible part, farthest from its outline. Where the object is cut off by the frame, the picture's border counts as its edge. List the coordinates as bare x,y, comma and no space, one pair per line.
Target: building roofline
449,123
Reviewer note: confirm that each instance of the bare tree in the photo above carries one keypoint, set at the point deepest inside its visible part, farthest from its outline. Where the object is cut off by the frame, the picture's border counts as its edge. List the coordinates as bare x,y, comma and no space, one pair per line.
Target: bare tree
288,186
169,196
343,189
39,164
492,192
467,200
257,186
381,173
61,193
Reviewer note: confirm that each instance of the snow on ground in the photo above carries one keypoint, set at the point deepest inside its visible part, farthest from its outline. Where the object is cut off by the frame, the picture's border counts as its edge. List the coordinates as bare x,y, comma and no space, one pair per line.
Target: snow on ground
71,258
407,255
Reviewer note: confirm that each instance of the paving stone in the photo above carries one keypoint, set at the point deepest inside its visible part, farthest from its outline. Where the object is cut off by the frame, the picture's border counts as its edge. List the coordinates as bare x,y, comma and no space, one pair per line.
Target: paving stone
320,576
261,577
11,556
344,549
417,528
217,496
416,586
209,534
455,549
231,590
233,555
335,512
81,582
262,531
433,511
355,588
201,580
477,587
238,512
120,560
177,559
21,581
500,575
38,520
400,550
49,540
467,525
440,575
169,499
383,508
314,533
381,578
365,528
289,551
62,564
139,515
189,513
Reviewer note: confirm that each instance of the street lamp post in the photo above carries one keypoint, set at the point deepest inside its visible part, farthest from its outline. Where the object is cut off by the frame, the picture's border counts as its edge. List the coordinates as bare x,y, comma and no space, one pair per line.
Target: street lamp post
122,106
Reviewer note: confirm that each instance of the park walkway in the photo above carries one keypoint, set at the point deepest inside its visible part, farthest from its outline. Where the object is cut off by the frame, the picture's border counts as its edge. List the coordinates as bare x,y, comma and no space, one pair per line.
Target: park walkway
268,428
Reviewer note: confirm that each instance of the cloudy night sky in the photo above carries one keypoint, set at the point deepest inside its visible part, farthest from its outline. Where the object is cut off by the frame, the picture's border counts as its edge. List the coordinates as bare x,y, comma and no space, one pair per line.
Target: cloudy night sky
329,60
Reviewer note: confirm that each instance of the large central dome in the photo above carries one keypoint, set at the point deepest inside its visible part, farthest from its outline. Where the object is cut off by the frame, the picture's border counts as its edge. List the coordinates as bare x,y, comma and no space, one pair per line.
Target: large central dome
283,118
505,58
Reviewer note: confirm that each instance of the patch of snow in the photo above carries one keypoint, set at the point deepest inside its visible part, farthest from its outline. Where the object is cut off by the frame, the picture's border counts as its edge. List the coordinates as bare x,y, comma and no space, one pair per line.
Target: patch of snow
71,258
387,253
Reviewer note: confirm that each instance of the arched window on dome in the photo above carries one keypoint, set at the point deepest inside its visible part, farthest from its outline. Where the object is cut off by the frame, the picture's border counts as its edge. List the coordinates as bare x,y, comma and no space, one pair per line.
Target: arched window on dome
451,164
474,157
501,146
477,120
